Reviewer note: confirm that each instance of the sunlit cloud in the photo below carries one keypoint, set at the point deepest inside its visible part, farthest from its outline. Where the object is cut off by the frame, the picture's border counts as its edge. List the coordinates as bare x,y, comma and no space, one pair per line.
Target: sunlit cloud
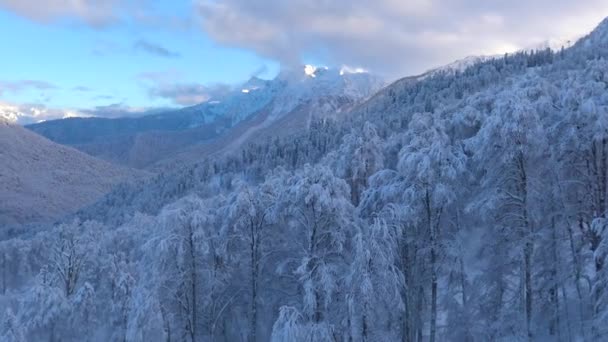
393,37
34,112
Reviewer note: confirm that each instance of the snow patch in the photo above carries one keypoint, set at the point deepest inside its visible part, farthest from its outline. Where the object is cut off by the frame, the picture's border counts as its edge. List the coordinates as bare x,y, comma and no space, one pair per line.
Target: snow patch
310,70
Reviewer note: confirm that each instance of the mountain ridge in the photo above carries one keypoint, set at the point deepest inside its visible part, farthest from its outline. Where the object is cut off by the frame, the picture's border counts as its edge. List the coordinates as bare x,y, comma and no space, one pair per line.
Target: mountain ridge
325,90
41,180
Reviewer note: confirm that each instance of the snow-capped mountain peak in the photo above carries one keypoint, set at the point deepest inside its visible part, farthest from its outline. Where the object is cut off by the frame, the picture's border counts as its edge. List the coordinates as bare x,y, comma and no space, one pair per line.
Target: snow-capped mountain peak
321,82
292,87
310,70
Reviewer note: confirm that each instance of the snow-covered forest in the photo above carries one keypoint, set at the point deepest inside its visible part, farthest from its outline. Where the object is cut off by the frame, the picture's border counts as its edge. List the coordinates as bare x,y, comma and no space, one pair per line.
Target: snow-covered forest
462,206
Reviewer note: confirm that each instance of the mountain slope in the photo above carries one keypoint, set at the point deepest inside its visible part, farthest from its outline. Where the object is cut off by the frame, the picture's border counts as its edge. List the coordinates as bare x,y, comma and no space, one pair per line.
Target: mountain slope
467,206
141,142
41,180
303,96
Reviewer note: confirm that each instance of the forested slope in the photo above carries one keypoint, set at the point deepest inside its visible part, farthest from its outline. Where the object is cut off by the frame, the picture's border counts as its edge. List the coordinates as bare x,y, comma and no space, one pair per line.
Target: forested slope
467,206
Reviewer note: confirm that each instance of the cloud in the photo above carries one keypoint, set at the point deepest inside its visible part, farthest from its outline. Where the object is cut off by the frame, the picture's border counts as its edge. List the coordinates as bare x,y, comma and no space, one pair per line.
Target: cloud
393,37
103,97
101,14
97,13
260,71
82,89
118,110
187,94
170,86
24,85
106,47
29,113
154,49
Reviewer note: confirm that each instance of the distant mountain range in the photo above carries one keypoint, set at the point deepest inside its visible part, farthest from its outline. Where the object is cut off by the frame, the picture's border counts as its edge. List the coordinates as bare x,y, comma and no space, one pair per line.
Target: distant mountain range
468,203
255,111
294,97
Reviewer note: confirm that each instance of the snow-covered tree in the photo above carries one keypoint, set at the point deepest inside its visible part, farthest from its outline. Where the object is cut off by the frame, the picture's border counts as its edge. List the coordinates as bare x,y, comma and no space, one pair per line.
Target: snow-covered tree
600,288
250,214
511,149
375,284
11,330
178,269
359,157
320,214
430,165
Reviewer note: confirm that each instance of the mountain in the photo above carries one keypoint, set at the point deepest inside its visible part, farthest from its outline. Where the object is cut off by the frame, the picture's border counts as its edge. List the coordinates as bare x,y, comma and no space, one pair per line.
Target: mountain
41,180
464,206
598,37
461,65
503,163
293,96
316,93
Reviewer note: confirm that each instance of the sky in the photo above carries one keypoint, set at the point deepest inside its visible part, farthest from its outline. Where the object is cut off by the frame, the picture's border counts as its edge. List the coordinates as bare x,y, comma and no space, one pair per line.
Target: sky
124,57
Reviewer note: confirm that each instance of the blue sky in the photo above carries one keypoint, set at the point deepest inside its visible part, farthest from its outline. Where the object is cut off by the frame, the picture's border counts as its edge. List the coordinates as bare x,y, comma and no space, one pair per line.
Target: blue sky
114,57
90,66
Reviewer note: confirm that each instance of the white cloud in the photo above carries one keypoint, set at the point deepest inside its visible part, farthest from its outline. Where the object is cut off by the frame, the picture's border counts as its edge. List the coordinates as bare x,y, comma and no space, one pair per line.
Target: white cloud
93,12
170,86
154,49
98,13
393,37
24,85
32,113
117,110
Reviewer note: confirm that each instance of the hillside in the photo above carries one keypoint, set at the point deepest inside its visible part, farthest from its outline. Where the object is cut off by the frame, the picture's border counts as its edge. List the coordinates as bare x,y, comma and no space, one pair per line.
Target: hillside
468,205
42,181
224,123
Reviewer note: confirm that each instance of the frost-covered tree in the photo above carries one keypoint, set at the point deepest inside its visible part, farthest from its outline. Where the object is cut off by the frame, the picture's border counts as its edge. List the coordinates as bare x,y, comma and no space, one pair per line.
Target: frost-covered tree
291,326
44,308
375,284
250,214
429,164
511,149
320,215
178,264
11,330
360,156
600,288
354,227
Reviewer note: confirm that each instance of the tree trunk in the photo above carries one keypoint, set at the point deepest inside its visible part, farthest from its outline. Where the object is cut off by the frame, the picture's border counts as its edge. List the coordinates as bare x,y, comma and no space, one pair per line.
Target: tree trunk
405,293
365,327
317,315
166,324
4,274
254,283
433,296
603,174
554,327
432,238
528,248
465,305
568,323
419,310
193,284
